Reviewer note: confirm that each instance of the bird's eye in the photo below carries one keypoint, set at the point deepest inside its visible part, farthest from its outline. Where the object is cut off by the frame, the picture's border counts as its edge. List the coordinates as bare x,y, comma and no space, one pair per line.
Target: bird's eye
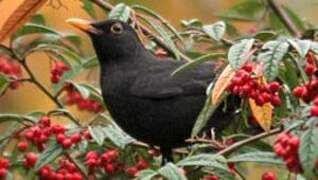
117,28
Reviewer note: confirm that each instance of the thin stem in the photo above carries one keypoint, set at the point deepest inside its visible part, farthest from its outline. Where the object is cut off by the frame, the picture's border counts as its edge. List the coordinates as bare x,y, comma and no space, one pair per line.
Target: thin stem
281,14
39,85
239,144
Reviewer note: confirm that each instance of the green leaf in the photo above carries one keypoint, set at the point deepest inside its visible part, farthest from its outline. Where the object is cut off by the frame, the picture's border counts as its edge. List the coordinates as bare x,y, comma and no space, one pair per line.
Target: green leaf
4,83
159,17
301,46
117,136
15,117
266,35
202,160
215,31
246,10
257,157
89,8
274,51
90,63
49,155
33,29
165,36
171,171
308,150
79,164
314,47
147,174
191,22
38,19
120,12
237,54
85,93
97,134
204,115
199,60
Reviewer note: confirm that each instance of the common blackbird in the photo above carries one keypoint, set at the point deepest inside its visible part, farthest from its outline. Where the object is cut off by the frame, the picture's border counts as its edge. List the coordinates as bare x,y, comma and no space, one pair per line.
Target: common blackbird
140,93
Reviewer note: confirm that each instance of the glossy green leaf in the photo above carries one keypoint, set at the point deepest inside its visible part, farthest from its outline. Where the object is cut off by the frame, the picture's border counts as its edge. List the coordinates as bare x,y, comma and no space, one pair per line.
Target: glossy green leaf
87,5
4,83
147,174
257,157
273,53
90,62
159,17
308,150
33,29
171,171
301,46
120,12
237,55
202,160
117,136
245,10
52,152
85,93
97,134
215,31
38,19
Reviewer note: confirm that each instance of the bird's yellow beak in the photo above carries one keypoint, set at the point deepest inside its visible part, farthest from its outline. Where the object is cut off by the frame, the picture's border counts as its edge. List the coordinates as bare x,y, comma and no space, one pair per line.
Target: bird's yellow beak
82,24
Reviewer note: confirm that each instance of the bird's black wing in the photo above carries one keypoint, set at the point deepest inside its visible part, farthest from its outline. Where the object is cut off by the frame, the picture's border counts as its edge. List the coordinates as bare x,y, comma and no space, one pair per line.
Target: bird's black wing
156,81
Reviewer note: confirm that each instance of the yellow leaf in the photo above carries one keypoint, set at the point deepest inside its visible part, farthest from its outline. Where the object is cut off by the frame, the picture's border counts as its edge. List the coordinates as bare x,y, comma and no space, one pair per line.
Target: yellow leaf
222,83
263,114
14,13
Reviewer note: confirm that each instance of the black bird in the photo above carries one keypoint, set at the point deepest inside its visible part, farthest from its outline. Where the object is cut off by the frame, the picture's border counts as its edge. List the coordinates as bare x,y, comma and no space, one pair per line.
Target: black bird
140,93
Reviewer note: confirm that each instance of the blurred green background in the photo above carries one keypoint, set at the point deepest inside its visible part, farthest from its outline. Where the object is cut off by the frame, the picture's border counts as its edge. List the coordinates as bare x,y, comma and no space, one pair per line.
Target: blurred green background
28,98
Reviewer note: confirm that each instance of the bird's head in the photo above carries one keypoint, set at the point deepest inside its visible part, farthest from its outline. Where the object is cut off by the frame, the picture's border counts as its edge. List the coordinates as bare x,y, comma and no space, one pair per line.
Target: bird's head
112,39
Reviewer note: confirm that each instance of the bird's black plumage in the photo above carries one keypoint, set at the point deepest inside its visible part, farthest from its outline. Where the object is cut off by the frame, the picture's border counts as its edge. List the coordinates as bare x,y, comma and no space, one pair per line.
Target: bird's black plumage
142,96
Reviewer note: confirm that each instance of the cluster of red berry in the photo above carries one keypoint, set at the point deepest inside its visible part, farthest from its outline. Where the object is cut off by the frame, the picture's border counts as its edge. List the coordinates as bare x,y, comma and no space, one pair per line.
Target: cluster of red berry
269,176
245,85
11,69
309,91
140,165
57,70
73,97
109,161
4,166
66,170
286,147
68,141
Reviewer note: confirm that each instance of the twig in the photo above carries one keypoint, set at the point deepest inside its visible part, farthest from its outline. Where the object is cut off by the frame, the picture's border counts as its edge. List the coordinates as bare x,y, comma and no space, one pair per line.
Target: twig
281,14
39,85
239,144
108,7
66,114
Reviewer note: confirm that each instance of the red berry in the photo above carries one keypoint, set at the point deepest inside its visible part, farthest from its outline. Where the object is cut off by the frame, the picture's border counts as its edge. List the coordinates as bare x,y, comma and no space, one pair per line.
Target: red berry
91,155
248,67
75,138
314,111
60,138
132,171
142,164
109,168
23,146
45,121
30,159
269,176
213,177
67,143
4,163
275,100
294,142
274,87
310,69
3,172
298,91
